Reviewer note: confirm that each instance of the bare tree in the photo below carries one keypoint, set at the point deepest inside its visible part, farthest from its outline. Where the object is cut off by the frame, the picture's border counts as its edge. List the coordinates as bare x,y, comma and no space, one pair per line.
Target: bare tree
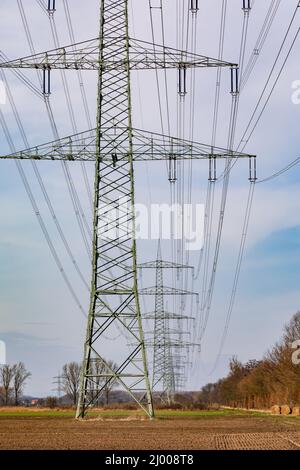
100,387
111,366
71,379
260,384
7,373
95,385
21,374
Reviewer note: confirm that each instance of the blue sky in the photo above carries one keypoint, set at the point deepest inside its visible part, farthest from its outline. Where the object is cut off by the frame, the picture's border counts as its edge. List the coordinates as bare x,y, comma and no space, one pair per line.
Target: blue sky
279,255
39,320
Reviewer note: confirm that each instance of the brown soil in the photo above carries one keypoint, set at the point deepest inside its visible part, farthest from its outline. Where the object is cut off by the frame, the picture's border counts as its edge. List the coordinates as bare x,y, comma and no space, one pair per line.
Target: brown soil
179,434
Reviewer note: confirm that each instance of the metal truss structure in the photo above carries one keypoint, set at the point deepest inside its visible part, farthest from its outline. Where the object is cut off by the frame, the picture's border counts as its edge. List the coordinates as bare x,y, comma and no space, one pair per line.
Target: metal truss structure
168,343
142,56
114,146
114,143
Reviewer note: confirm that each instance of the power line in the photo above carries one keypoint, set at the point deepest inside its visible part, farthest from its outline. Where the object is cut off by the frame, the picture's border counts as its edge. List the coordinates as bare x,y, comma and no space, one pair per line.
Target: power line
75,131
84,101
237,272
280,172
270,93
41,182
39,217
115,293
206,307
70,184
260,42
251,191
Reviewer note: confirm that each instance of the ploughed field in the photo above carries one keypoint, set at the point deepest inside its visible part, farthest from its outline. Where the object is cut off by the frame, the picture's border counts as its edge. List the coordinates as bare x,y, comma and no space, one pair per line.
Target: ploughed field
171,430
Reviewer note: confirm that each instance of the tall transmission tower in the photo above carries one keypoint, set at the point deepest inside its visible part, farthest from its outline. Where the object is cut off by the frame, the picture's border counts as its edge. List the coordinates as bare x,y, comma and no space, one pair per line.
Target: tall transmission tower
163,341
114,145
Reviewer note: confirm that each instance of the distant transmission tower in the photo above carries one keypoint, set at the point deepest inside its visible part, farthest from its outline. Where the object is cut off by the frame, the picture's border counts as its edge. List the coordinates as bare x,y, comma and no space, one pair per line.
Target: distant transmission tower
59,385
165,340
114,145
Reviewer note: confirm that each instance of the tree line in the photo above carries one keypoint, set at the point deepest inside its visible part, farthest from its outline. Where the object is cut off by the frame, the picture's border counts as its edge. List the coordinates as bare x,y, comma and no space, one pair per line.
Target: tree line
98,387
274,380
12,382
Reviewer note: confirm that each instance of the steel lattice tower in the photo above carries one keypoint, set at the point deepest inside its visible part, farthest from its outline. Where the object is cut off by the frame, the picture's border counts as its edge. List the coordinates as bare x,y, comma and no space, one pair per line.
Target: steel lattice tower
165,372
114,145
162,354
114,289
161,351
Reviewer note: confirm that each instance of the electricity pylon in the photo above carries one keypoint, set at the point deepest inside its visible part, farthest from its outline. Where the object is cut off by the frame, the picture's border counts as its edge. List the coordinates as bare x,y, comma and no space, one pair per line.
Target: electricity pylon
59,385
162,338
114,145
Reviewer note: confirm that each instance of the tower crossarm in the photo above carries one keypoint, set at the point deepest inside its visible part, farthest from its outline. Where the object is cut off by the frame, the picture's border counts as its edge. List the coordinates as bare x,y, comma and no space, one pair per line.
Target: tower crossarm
143,55
172,343
163,264
167,316
166,291
170,332
114,148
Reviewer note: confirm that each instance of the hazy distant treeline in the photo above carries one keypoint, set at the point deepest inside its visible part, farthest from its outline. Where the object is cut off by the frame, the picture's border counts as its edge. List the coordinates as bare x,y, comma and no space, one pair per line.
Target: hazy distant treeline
260,384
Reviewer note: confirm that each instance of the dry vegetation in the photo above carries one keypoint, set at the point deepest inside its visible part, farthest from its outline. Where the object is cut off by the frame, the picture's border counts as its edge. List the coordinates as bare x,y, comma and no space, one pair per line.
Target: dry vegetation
275,380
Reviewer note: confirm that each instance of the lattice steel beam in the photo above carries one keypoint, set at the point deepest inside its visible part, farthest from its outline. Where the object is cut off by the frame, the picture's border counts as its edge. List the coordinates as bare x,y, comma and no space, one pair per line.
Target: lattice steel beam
114,144
166,291
168,315
142,55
